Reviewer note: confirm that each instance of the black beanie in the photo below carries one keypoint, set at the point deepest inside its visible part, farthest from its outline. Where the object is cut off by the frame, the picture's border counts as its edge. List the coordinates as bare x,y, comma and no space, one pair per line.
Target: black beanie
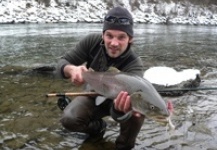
119,12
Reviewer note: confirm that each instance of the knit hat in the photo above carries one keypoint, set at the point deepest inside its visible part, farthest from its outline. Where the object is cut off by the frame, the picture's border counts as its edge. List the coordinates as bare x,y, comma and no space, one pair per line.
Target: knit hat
119,18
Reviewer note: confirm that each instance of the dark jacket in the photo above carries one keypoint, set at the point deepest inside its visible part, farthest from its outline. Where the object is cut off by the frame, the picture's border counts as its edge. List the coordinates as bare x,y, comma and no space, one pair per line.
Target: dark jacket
91,50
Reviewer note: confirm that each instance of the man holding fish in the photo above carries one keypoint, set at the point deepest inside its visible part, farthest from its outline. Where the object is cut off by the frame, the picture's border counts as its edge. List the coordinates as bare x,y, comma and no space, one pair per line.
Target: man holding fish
99,52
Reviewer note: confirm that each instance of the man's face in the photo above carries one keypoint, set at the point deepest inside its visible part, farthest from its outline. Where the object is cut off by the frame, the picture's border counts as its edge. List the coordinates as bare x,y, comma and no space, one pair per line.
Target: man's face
116,42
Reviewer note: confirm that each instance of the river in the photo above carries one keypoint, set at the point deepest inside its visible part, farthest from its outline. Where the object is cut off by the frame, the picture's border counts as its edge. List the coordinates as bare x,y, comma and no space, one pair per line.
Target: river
30,120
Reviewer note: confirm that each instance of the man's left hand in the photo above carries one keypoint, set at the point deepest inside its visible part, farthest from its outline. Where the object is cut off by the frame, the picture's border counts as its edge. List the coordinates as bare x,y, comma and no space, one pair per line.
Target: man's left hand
122,103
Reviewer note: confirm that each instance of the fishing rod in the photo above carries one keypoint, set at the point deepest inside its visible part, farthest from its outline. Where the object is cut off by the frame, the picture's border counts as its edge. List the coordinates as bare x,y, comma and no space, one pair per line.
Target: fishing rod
72,94
181,91
158,90
186,89
63,100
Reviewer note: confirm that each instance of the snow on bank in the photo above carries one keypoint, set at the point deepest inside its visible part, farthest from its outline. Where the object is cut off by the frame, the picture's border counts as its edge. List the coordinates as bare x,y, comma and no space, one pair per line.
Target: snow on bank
29,11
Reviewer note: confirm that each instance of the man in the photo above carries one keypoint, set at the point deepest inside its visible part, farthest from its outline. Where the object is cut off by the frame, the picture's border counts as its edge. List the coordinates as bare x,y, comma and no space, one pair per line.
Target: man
99,52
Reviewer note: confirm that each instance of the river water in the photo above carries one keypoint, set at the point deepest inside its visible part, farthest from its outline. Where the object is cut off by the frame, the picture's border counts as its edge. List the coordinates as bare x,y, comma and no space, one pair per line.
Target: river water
29,120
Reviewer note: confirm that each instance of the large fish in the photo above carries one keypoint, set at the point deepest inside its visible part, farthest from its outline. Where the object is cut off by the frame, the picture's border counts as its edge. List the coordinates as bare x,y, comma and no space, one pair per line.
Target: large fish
144,97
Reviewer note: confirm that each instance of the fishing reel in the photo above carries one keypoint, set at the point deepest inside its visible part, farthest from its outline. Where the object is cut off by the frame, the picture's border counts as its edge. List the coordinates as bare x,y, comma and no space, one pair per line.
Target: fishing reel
63,101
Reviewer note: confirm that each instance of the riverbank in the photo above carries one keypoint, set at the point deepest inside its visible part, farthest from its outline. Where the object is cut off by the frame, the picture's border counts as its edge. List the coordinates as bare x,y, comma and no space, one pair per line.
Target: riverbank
30,11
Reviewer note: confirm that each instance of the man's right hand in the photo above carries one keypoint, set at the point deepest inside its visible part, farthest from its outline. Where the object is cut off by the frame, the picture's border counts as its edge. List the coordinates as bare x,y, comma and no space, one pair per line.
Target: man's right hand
74,73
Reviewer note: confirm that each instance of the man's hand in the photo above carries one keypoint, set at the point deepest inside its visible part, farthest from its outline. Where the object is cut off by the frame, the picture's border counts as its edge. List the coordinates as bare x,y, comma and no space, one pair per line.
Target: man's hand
122,103
74,73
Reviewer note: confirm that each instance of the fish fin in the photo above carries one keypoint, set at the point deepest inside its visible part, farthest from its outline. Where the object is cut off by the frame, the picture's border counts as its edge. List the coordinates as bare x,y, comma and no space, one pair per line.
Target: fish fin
113,69
91,70
110,69
125,116
99,100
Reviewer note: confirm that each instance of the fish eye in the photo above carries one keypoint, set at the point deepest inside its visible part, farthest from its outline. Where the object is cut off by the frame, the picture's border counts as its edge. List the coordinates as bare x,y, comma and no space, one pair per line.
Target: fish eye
152,107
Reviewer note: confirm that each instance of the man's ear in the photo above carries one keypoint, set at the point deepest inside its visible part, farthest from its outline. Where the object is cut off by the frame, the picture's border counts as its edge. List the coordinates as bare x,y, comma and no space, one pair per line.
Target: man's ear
131,40
103,34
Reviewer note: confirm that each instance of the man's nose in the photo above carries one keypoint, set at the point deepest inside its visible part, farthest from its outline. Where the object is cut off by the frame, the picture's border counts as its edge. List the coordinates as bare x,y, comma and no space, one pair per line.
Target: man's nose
114,42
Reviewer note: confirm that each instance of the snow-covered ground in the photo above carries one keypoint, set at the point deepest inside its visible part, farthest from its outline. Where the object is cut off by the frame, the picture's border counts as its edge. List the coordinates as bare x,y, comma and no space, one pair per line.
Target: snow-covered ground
30,11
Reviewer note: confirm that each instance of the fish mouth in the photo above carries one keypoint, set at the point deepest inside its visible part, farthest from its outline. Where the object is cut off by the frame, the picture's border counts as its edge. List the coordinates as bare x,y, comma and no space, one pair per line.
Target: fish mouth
160,118
166,120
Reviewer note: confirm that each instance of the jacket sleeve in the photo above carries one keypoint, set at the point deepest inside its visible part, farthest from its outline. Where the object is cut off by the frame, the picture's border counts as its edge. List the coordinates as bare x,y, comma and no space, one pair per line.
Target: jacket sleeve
119,116
135,67
77,56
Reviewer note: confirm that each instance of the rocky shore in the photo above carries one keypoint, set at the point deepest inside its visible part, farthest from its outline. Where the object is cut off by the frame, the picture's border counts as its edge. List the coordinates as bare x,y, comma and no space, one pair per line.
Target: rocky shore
32,11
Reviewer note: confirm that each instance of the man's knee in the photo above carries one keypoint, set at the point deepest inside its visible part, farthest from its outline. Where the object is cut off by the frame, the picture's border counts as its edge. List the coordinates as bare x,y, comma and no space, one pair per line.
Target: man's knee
72,124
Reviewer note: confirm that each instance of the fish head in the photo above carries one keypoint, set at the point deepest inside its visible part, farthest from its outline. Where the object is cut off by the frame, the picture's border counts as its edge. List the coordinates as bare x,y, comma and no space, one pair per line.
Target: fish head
154,110
144,92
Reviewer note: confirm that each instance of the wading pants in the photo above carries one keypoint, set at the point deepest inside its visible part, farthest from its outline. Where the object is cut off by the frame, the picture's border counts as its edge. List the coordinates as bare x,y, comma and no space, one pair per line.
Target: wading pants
82,115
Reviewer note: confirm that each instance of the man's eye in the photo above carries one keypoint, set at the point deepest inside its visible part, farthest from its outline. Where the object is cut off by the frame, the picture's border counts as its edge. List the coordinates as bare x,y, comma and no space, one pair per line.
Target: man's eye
109,36
121,37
